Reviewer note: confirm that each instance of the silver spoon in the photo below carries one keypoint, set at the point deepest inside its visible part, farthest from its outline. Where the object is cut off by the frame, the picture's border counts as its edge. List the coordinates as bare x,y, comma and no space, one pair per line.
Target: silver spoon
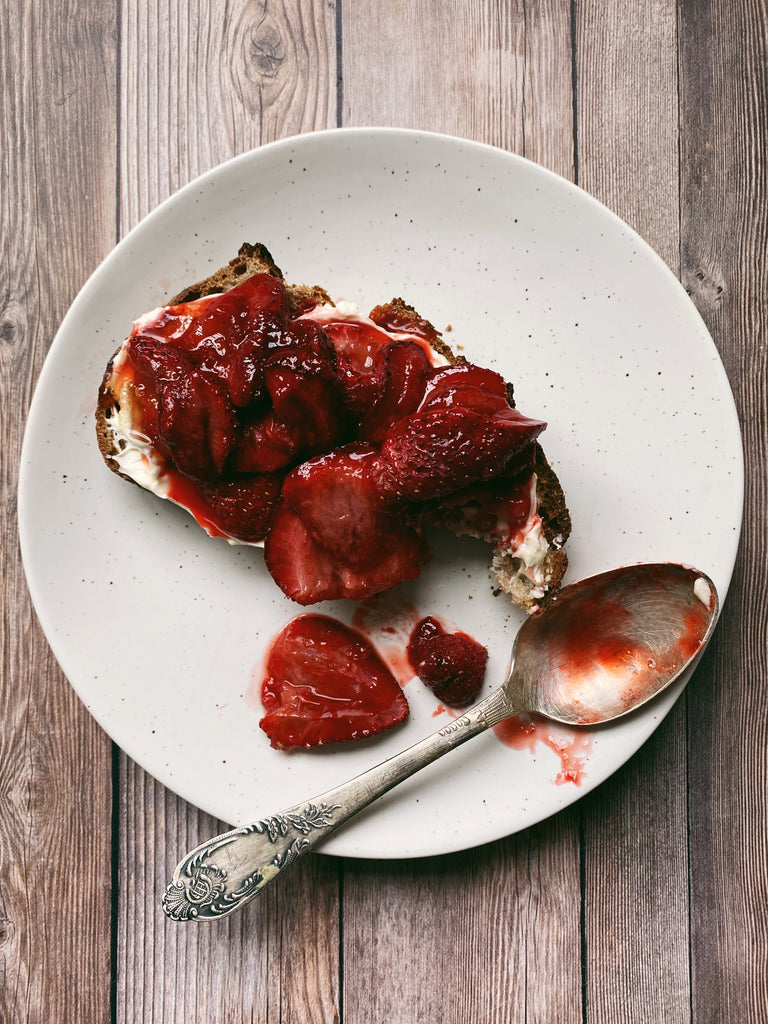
603,648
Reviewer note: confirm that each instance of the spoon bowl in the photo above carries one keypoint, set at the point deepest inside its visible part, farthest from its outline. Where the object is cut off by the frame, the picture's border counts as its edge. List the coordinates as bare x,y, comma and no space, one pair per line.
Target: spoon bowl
609,644
603,648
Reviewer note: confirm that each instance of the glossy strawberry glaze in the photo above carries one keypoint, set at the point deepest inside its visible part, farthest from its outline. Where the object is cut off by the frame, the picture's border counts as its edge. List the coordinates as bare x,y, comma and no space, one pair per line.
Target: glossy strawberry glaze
330,437
600,634
325,683
452,665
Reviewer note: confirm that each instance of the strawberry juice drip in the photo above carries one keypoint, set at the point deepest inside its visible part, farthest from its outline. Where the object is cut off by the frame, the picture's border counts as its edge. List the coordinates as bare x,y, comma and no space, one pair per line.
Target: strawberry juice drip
525,732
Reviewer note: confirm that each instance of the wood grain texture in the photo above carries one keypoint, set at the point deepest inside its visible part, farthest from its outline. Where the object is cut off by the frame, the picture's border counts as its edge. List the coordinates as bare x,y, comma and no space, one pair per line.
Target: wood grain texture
55,789
627,118
645,902
491,935
200,83
635,827
257,73
724,240
498,73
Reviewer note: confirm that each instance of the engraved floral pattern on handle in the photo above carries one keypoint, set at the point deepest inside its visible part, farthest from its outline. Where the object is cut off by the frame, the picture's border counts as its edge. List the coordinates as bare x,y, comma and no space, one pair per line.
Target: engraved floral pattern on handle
199,888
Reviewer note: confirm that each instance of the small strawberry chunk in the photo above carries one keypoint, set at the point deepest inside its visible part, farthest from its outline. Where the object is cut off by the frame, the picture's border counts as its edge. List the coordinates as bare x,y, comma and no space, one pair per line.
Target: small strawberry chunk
325,683
452,665
445,378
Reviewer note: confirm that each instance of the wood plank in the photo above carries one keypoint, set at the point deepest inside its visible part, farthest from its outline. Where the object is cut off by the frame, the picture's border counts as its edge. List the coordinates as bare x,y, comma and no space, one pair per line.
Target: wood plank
724,238
260,72
500,74
56,222
489,935
635,826
419,942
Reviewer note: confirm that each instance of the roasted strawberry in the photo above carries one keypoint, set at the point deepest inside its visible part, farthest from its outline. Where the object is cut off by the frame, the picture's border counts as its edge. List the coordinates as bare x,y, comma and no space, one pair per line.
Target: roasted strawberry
439,450
402,380
325,683
495,509
307,572
300,376
452,665
338,498
153,362
444,379
361,374
196,422
242,507
265,444
230,336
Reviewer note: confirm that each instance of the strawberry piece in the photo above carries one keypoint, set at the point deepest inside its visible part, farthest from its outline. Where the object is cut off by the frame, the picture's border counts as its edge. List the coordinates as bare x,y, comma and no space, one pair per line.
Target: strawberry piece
444,379
442,449
452,665
242,507
360,372
325,683
307,573
337,497
264,445
495,509
300,376
309,406
403,376
196,422
229,336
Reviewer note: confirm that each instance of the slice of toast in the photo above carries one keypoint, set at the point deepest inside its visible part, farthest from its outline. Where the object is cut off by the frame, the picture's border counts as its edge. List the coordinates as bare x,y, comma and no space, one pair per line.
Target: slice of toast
531,574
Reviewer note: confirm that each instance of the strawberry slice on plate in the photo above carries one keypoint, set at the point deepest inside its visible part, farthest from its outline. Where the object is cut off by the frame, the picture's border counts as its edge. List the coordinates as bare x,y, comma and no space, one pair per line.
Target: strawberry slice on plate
325,683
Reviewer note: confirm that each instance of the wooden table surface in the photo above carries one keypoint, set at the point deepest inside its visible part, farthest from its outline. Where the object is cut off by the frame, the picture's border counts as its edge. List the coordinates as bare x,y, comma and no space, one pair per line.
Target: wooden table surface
645,901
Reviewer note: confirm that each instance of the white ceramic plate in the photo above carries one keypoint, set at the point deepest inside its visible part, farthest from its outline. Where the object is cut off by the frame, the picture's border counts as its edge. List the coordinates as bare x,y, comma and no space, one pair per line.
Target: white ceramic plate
162,631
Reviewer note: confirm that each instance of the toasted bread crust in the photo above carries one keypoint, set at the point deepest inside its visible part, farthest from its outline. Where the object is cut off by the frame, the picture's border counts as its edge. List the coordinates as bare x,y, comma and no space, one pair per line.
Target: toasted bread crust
556,525
256,259
250,260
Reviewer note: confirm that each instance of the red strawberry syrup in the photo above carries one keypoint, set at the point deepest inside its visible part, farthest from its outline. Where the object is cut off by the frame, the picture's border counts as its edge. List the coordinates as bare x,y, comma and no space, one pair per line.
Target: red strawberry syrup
524,732
387,621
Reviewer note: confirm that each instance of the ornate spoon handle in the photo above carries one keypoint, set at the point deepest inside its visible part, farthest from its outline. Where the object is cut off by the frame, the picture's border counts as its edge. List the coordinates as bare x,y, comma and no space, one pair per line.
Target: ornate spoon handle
225,873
